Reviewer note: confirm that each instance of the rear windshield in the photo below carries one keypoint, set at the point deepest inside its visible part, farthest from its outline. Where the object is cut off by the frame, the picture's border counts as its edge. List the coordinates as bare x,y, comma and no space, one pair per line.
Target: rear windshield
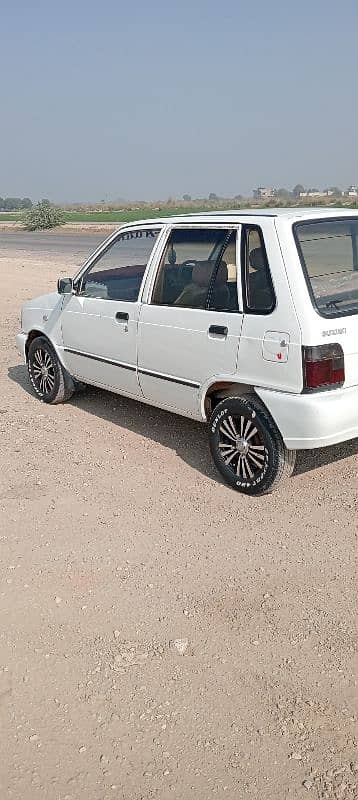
329,255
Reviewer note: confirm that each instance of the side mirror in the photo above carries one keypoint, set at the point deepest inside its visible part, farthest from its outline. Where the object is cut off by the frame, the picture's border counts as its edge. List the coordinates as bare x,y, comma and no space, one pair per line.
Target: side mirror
65,285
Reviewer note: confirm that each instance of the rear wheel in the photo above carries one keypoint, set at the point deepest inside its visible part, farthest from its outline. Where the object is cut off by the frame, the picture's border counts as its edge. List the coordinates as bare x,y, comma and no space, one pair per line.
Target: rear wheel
247,447
49,379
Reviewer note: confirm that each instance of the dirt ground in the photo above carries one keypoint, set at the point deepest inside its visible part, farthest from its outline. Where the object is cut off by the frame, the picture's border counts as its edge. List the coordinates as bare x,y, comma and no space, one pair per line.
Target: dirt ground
162,636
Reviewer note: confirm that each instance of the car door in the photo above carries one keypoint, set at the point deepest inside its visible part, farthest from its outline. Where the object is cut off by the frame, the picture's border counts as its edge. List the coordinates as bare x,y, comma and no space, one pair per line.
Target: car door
189,328
99,322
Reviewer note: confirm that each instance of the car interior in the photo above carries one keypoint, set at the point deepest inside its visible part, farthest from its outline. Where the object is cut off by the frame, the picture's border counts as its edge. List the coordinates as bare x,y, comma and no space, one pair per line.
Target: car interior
115,284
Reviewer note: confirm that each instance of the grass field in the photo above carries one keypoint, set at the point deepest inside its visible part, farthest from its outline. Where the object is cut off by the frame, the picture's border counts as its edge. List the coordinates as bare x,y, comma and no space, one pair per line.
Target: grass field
145,212
114,216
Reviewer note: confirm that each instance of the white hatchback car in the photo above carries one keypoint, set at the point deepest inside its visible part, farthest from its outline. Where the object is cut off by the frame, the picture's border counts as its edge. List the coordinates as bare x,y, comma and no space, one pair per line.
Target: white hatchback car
244,320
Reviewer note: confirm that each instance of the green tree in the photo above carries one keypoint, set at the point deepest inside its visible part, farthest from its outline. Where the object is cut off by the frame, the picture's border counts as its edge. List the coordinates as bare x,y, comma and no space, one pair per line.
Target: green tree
282,192
43,216
187,197
1,203
12,203
298,189
26,203
213,196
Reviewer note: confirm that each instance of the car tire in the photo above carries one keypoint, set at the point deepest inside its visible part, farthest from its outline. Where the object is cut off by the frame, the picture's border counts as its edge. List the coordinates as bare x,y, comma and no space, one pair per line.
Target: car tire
50,381
247,446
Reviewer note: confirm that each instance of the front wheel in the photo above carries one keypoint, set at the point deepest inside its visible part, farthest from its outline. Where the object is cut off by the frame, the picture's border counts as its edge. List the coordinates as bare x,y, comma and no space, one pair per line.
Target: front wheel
247,447
49,379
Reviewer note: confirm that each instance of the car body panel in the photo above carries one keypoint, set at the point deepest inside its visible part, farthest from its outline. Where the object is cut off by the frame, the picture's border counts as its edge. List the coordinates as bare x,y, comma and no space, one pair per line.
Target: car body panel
98,348
308,421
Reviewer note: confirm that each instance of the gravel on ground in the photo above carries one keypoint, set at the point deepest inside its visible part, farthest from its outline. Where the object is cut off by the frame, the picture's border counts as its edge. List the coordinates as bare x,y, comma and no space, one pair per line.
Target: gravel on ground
162,636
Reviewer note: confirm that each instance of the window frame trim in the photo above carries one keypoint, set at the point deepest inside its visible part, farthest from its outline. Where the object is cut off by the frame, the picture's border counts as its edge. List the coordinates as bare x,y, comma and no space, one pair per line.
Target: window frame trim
233,227
245,271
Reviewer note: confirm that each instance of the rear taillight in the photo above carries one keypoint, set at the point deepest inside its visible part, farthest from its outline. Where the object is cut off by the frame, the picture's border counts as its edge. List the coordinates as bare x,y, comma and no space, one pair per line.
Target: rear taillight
323,367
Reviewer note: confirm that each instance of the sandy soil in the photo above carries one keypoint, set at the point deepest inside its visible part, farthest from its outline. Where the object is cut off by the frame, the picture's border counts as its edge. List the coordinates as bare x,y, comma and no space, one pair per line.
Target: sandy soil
161,636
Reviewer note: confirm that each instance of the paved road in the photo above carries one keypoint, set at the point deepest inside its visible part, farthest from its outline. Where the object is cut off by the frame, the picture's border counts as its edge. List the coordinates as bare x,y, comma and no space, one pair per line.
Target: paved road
80,245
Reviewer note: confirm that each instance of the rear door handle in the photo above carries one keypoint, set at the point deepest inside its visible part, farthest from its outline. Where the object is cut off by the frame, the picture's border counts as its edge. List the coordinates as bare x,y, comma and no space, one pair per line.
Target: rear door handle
121,316
218,330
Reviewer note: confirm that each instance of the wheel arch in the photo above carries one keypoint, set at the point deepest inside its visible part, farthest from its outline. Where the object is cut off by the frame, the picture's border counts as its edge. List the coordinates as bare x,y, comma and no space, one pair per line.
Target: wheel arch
34,333
220,388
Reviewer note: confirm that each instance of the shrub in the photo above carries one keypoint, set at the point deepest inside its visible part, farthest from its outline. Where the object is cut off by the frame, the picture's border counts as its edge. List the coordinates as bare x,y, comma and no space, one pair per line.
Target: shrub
43,216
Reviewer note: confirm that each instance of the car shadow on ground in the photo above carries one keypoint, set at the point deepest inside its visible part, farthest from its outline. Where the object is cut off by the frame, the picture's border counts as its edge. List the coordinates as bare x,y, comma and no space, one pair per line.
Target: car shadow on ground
187,437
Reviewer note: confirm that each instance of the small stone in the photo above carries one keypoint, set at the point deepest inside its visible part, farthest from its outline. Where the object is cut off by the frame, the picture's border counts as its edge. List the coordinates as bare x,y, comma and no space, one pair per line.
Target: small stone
116,634
307,784
181,645
58,600
296,756
33,738
103,759
166,772
82,749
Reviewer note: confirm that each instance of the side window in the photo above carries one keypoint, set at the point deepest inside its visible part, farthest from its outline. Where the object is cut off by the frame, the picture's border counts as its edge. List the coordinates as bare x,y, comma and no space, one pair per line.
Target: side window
193,272
259,291
117,274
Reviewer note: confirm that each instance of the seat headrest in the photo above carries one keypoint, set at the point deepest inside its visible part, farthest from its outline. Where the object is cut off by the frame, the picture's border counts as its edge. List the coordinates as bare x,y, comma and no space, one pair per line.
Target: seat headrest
257,259
203,270
201,273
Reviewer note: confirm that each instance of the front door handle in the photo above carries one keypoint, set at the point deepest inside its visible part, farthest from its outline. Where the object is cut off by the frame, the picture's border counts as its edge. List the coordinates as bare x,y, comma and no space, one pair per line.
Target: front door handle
218,330
121,316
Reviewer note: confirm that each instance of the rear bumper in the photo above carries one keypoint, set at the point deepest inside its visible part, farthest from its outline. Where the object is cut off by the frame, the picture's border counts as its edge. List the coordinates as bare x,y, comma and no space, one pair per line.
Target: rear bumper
307,421
20,344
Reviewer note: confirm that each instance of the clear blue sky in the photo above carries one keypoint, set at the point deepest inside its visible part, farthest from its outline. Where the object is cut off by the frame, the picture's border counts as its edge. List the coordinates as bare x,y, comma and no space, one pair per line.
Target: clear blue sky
150,99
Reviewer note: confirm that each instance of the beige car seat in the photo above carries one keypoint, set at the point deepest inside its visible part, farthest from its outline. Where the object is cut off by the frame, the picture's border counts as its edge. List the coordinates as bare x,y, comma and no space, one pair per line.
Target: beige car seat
195,293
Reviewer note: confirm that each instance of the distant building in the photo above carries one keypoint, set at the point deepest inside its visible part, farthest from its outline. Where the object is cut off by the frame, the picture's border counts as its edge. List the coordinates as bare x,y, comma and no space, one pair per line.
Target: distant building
352,191
316,193
263,193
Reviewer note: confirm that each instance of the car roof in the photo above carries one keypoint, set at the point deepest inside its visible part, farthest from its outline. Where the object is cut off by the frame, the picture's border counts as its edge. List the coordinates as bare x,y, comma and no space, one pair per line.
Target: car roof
236,215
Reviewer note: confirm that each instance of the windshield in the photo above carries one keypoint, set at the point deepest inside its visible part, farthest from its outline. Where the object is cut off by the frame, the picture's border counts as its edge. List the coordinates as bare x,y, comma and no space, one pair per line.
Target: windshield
329,253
